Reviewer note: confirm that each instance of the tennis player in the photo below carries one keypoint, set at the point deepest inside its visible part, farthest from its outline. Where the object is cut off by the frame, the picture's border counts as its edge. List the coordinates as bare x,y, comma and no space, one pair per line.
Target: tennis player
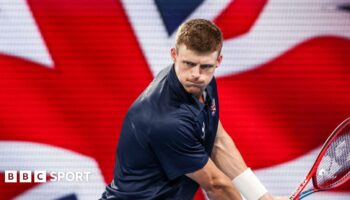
172,140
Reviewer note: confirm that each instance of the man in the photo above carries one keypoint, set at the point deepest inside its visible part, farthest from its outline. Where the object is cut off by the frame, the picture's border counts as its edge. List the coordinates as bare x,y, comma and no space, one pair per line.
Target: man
172,140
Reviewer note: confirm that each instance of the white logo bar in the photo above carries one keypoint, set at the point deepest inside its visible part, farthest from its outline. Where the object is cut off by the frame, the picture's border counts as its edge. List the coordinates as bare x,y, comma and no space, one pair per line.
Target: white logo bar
26,176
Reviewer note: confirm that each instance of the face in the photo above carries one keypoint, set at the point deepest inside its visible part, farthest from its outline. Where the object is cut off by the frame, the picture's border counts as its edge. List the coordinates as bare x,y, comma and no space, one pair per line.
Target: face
194,70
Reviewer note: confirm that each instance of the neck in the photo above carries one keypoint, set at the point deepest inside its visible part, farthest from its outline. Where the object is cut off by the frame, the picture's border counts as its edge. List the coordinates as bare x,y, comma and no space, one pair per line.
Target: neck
201,97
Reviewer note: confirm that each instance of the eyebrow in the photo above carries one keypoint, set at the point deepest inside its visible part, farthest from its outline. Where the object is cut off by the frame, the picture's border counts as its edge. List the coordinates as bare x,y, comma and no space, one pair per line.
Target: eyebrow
202,65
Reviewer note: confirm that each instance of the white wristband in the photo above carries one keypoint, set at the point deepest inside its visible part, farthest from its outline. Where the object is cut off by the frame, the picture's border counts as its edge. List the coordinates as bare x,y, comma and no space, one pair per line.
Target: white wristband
249,185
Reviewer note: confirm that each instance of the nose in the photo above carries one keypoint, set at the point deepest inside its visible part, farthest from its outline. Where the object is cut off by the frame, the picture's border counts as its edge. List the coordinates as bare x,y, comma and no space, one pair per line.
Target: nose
196,72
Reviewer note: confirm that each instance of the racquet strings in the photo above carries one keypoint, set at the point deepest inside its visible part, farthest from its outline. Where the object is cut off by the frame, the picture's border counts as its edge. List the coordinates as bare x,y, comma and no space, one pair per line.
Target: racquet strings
334,168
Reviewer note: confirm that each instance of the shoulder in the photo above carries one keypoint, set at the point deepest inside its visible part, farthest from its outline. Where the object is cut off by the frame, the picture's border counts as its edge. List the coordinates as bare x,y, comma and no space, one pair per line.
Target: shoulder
157,84
212,85
213,81
148,101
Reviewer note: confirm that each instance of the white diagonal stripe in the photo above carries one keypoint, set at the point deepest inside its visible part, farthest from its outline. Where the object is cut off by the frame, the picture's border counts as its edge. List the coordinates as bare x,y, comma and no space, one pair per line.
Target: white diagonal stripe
281,26
20,35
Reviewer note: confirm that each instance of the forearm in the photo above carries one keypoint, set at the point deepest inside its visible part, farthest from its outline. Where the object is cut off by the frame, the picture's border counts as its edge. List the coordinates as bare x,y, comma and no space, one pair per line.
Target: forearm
223,189
223,194
227,157
216,184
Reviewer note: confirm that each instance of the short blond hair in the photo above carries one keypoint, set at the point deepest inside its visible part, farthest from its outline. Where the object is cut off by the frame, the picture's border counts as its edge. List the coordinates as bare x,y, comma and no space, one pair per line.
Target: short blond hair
200,35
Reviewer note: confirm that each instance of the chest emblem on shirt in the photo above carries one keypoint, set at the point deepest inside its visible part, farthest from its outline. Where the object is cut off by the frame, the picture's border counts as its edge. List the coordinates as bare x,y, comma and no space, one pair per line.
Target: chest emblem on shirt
213,107
203,131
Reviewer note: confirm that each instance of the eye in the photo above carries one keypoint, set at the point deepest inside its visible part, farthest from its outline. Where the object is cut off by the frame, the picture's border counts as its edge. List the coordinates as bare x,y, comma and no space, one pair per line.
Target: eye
207,66
189,64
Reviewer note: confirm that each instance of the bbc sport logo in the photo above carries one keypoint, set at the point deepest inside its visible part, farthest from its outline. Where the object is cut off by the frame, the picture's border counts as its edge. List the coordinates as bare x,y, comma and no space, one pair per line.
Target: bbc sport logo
25,176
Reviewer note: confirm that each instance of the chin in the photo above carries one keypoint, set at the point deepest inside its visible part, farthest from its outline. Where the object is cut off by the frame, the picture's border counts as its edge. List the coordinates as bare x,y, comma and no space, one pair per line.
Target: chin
195,91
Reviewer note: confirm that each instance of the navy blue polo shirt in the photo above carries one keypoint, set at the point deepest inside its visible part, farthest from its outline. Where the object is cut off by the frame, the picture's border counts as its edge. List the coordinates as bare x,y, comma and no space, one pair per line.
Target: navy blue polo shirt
166,134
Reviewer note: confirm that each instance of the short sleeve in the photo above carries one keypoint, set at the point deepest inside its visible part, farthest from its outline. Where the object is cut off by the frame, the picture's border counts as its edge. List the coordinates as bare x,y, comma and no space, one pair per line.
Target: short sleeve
177,148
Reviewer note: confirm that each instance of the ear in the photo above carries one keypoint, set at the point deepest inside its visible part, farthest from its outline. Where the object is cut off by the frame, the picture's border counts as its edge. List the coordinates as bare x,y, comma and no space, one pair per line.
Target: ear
173,54
219,59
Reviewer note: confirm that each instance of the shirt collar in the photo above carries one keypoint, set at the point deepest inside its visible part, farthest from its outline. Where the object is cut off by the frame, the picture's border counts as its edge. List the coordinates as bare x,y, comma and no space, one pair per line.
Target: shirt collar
182,95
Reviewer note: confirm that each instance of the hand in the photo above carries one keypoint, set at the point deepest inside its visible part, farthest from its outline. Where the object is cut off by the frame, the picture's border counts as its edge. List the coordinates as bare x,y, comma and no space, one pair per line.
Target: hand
267,196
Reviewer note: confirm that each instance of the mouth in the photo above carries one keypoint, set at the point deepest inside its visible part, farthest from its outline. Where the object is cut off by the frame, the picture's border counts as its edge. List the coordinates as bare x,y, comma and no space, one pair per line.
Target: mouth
194,84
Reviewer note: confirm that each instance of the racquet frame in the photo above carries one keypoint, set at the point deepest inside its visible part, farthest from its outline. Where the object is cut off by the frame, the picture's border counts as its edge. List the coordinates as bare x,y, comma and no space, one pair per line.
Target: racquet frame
298,194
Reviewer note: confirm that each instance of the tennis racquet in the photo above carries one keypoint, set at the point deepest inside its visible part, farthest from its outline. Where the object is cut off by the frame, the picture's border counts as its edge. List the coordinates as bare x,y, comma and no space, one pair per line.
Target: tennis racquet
332,166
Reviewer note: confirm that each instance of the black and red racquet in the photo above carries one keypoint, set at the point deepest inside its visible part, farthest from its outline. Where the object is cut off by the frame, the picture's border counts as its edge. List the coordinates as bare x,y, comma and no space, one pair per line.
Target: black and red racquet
332,166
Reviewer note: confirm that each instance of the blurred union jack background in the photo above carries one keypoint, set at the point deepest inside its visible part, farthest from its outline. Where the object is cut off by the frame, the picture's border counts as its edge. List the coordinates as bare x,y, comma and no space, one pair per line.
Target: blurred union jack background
69,70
